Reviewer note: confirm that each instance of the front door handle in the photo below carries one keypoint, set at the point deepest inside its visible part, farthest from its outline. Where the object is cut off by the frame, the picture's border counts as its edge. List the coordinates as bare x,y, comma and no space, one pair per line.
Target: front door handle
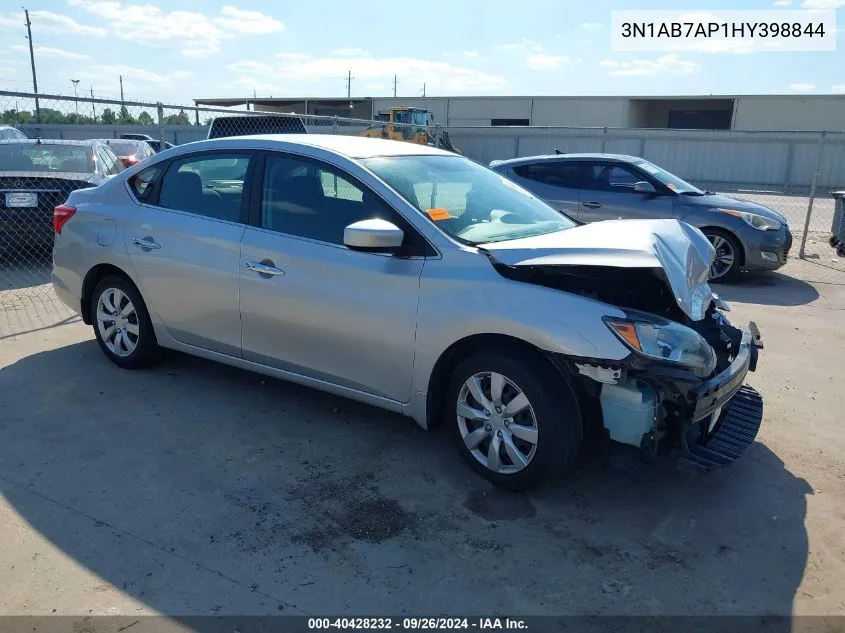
592,205
147,243
263,269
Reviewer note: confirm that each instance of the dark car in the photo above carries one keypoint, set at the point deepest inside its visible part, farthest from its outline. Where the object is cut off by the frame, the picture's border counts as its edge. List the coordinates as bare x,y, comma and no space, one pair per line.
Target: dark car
130,151
156,145
594,187
38,175
137,137
250,125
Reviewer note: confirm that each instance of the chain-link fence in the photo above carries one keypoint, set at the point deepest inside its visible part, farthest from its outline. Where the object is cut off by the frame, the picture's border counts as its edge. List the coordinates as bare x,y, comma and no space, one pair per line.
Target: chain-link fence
794,173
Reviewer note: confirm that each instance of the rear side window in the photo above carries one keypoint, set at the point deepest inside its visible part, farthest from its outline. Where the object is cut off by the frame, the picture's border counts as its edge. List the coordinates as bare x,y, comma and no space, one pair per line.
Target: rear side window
556,174
143,183
210,185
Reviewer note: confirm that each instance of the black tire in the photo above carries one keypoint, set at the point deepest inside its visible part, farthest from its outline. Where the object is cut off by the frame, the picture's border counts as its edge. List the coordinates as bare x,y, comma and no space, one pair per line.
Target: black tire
146,346
733,272
555,410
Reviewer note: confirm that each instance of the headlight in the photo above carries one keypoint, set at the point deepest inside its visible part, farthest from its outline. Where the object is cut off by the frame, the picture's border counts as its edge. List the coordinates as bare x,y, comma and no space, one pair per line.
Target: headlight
664,340
759,222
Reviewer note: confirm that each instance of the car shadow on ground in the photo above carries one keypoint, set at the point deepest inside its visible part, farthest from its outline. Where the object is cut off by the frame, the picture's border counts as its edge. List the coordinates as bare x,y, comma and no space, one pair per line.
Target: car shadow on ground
769,288
199,489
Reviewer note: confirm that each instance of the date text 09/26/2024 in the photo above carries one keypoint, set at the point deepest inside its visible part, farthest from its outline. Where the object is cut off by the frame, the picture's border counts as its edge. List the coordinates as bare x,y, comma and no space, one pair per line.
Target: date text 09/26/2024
418,624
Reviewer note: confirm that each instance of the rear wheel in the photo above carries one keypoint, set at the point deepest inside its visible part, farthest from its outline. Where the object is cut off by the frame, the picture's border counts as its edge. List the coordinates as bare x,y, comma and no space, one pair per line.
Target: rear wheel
122,324
514,420
726,263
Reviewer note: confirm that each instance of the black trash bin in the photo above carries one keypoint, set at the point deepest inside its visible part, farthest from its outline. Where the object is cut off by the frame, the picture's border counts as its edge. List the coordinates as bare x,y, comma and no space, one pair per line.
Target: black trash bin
837,227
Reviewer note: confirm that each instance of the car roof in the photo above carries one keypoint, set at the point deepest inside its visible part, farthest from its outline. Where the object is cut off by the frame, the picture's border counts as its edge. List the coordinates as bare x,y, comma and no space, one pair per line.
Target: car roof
349,146
49,141
623,158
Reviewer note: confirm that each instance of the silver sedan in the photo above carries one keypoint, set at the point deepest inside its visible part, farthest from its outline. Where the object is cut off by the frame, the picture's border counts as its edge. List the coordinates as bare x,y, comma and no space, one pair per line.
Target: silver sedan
418,281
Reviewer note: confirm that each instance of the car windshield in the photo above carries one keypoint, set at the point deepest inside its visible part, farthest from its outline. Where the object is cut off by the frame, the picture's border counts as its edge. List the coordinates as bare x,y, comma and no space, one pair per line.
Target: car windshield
670,180
46,157
467,201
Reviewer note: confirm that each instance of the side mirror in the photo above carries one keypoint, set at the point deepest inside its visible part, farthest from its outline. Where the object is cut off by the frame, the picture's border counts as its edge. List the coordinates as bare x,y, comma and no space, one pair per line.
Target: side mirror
644,187
373,236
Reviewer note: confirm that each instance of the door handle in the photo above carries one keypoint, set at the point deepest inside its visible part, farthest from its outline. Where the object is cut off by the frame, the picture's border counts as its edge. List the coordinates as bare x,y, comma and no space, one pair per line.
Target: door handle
147,243
263,269
592,205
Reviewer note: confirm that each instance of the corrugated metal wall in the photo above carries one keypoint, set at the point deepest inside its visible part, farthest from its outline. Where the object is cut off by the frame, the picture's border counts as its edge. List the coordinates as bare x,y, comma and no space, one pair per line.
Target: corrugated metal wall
779,161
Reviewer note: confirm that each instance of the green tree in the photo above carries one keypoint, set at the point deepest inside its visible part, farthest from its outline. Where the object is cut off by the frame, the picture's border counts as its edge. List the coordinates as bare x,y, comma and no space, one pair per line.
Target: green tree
145,119
49,115
16,117
108,117
125,117
177,119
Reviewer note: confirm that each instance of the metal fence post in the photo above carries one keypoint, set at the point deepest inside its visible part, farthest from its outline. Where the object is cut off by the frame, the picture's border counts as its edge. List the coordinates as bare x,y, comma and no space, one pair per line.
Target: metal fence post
160,110
604,141
334,124
812,194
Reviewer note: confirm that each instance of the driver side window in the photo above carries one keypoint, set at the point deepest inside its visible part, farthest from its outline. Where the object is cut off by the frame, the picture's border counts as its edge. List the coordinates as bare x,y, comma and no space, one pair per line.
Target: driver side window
313,200
612,178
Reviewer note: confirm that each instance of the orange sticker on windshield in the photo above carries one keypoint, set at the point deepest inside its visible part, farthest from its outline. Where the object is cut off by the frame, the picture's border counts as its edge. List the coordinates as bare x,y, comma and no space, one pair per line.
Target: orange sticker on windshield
439,214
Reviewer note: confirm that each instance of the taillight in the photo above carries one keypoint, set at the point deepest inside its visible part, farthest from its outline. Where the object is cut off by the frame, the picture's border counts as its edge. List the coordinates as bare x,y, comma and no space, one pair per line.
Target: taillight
61,214
128,161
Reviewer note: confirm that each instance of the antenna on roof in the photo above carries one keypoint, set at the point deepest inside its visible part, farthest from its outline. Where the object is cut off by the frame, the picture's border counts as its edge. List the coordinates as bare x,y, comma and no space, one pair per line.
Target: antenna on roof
557,151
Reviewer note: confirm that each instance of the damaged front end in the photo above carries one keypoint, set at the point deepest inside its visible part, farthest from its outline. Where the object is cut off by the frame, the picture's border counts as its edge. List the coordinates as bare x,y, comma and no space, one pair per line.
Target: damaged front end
682,386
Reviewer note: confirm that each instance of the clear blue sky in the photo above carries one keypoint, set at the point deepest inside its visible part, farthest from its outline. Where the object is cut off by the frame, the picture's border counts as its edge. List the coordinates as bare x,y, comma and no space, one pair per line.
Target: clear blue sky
177,50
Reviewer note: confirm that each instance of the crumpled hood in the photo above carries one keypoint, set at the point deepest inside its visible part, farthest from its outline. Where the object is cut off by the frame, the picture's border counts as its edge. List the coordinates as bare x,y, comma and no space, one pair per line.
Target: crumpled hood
679,249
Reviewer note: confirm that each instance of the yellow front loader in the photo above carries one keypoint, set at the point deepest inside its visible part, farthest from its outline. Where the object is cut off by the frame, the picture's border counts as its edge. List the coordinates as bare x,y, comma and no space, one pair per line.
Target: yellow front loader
405,123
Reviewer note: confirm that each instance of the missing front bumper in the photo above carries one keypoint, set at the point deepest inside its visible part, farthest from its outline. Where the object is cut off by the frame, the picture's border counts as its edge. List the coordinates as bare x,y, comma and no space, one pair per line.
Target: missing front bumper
734,432
738,410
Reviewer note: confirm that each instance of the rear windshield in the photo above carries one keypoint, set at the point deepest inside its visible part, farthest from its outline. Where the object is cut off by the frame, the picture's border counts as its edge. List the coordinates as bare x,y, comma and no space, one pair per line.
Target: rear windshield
123,148
46,157
251,125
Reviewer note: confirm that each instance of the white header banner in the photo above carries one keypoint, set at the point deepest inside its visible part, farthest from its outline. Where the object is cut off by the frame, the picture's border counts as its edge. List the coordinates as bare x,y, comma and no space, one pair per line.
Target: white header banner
719,31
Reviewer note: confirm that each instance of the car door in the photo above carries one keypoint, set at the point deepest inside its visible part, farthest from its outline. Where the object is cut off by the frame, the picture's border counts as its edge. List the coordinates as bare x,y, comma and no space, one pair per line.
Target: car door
184,245
557,182
607,193
312,306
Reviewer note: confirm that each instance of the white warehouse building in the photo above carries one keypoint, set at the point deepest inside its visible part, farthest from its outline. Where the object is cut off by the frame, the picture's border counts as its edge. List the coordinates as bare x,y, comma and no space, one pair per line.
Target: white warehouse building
742,112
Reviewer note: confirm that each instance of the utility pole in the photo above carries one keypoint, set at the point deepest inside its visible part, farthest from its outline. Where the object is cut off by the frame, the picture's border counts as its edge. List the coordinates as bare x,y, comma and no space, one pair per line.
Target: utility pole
423,90
349,85
32,61
75,83
395,83
121,89
93,107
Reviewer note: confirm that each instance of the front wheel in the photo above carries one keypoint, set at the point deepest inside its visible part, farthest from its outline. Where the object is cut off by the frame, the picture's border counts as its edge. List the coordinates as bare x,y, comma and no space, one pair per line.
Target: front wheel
515,421
726,263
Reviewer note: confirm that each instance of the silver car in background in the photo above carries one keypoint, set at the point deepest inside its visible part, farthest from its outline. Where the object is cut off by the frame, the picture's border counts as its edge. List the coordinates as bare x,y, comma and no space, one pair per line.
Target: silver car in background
595,187
416,280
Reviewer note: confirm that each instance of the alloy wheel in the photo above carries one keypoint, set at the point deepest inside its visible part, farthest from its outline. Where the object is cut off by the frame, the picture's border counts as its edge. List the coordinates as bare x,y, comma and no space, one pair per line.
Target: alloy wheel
117,322
497,423
725,256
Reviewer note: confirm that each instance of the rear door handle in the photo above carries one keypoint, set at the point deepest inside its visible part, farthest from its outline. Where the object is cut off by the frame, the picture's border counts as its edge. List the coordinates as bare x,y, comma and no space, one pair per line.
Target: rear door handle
592,205
263,269
147,243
